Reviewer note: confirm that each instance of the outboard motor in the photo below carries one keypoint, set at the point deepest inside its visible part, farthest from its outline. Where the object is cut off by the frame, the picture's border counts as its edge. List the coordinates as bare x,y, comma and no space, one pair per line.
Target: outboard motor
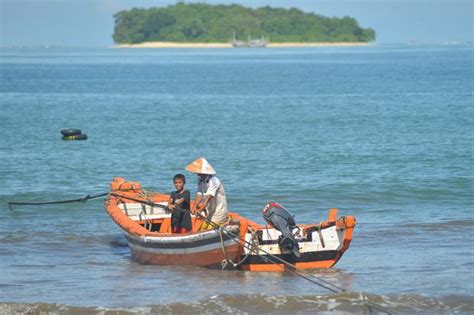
279,218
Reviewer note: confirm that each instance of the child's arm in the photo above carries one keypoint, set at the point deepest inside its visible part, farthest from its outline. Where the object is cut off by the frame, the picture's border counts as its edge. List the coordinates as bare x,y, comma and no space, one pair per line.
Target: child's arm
185,197
170,203
179,202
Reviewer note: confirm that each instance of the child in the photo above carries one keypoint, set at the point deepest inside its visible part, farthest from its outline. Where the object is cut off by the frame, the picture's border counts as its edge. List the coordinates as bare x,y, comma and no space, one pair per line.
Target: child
179,203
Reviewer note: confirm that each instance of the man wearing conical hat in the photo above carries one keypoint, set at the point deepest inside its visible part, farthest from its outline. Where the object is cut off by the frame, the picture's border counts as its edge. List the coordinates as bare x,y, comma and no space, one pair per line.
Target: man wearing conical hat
210,193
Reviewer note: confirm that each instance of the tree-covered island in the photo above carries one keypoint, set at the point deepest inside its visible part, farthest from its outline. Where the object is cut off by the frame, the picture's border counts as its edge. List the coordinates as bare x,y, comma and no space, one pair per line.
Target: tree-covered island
203,23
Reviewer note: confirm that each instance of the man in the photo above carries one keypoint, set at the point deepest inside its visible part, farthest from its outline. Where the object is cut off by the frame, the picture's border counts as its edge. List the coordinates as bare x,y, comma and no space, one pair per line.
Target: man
210,194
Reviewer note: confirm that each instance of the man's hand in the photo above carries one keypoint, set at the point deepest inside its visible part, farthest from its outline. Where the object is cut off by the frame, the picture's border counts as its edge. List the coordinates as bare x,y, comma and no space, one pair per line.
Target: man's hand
201,209
195,209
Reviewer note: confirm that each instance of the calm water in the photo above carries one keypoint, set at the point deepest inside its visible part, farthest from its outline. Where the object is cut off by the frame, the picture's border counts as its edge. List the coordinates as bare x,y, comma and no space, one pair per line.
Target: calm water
382,133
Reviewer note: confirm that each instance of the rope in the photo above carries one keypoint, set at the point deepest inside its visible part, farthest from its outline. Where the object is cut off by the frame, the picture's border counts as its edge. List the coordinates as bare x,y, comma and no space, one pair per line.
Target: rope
276,260
149,193
81,200
305,275
325,284
320,234
371,305
144,216
224,252
147,202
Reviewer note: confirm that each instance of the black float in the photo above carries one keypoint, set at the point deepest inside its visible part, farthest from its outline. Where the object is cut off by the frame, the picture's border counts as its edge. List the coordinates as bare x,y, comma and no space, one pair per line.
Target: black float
73,134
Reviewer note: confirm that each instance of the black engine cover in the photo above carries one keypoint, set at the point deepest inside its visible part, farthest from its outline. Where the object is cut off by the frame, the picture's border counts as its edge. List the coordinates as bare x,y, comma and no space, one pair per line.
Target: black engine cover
279,218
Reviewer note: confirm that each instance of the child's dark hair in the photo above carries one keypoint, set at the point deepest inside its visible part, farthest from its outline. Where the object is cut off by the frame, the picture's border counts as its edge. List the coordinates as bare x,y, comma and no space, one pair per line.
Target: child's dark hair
179,176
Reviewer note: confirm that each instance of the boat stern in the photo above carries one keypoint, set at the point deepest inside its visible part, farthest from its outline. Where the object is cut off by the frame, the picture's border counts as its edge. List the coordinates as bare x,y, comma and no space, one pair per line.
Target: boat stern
320,245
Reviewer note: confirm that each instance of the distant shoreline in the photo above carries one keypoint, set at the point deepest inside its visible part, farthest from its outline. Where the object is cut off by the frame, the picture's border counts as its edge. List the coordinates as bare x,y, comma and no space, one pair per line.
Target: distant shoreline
228,45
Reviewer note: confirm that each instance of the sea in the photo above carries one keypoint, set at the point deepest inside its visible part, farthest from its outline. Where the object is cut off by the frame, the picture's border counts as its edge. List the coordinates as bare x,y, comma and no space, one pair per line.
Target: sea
383,132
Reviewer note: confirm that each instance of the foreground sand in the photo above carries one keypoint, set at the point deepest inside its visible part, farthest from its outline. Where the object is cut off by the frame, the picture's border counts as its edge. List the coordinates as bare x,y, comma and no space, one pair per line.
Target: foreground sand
228,45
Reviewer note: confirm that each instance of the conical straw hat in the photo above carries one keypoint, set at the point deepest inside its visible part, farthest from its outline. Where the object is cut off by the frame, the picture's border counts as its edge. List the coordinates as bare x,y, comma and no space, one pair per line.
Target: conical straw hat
201,166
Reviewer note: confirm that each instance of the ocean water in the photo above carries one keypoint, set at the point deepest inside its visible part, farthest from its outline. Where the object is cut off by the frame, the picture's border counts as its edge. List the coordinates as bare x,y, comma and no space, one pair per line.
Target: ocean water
384,133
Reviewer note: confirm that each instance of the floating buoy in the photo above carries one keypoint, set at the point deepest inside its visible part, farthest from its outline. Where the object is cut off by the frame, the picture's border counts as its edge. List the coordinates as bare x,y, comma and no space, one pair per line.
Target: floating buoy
76,137
70,132
73,134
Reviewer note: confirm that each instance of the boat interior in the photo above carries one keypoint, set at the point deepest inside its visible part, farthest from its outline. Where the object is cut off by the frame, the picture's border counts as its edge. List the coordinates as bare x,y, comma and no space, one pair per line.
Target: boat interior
156,219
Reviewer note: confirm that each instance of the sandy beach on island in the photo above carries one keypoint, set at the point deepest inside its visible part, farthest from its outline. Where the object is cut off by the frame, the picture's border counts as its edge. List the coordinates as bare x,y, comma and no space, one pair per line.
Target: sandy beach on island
229,45
320,44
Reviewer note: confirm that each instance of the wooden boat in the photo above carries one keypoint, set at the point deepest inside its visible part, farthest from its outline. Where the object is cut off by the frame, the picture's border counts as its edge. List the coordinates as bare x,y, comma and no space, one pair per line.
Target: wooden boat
240,244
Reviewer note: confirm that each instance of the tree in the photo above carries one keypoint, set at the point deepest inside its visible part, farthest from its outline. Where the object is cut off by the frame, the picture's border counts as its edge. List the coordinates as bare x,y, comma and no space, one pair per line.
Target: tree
215,23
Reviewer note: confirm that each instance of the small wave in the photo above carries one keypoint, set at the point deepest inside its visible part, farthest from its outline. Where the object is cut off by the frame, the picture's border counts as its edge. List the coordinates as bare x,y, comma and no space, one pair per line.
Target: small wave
118,241
445,225
342,303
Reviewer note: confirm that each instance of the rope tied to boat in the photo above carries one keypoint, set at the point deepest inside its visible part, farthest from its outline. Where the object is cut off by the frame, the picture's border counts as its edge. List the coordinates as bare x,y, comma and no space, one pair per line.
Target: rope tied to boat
374,306
80,200
320,233
252,247
144,216
227,260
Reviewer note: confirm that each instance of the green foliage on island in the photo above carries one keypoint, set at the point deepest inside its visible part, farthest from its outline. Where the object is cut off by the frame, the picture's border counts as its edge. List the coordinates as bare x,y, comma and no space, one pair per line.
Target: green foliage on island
217,23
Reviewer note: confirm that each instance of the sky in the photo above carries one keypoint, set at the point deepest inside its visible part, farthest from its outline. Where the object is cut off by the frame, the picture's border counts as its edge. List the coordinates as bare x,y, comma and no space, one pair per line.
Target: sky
89,23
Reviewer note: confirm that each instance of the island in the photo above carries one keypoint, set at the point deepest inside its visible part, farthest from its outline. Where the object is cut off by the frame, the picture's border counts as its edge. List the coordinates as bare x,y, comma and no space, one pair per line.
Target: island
214,26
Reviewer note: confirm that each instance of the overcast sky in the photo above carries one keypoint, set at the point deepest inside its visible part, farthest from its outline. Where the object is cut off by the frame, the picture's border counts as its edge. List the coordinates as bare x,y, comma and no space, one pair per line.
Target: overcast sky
90,22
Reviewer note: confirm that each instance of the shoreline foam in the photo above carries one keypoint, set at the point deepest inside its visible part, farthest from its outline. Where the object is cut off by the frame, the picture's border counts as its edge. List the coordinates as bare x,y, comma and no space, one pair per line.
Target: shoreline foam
348,302
229,45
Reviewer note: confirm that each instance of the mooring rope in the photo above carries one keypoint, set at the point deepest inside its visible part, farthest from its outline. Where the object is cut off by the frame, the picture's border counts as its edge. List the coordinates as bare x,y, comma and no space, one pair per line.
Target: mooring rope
227,260
81,200
274,259
248,245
